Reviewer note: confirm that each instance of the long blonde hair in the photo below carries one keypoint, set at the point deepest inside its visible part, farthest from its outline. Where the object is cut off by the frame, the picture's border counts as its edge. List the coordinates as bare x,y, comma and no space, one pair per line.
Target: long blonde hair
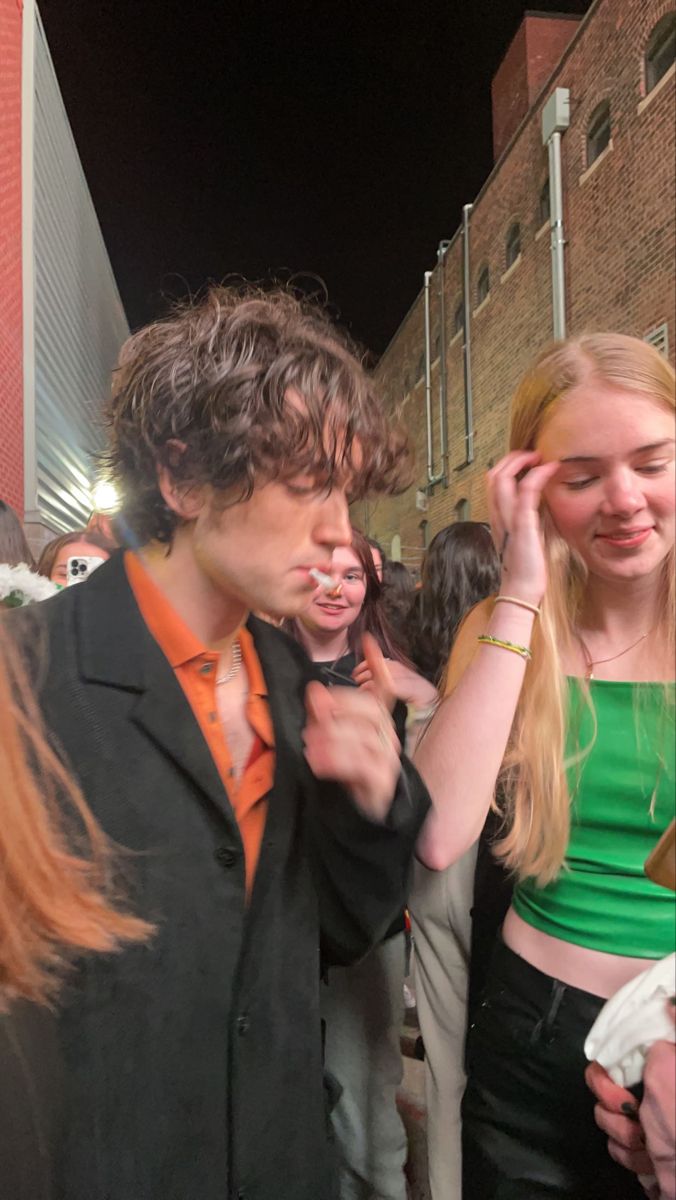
56,898
533,778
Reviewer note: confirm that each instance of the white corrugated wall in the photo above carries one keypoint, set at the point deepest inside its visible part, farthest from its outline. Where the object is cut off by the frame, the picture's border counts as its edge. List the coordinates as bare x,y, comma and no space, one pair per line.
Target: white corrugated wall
78,319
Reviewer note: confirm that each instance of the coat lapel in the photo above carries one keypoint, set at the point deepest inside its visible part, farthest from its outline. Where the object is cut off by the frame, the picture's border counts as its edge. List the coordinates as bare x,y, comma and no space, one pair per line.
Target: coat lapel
116,649
286,685
285,680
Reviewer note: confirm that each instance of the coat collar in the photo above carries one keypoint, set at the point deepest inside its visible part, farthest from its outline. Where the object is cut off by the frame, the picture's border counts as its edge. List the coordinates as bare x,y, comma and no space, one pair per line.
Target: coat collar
116,649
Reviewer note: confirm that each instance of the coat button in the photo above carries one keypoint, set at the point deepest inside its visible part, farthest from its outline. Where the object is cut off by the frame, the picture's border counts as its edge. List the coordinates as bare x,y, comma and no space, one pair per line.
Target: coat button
243,1025
226,856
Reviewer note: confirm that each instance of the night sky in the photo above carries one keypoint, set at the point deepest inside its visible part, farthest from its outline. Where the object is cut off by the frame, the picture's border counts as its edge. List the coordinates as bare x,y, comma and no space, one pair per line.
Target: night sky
321,141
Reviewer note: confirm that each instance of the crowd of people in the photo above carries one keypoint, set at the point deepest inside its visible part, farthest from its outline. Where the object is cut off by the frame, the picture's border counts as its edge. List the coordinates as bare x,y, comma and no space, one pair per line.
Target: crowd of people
248,745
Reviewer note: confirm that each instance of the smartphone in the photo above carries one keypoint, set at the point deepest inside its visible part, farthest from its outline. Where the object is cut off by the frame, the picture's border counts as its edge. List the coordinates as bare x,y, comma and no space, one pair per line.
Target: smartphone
660,865
79,569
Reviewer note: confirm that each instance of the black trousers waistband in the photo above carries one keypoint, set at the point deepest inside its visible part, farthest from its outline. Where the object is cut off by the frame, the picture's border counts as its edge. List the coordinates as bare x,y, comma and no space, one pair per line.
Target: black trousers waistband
542,991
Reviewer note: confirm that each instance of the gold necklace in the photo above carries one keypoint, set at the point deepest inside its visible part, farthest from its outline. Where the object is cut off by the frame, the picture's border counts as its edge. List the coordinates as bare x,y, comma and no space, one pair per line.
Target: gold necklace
590,662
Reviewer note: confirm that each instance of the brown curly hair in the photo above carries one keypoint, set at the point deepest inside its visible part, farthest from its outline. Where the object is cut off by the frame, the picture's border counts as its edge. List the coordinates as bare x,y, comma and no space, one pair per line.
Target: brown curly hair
237,389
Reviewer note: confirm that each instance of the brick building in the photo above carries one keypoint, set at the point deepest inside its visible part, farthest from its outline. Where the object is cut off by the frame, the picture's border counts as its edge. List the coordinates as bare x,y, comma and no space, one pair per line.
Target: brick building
61,318
618,174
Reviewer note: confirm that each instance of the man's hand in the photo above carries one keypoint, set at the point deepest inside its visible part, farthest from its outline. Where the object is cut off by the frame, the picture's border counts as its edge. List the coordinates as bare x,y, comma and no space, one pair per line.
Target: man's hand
350,738
616,1113
403,684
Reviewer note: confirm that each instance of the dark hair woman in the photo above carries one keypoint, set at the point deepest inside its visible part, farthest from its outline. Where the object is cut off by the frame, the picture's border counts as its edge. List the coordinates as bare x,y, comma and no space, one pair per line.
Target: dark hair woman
461,568
333,625
362,1005
398,597
14,548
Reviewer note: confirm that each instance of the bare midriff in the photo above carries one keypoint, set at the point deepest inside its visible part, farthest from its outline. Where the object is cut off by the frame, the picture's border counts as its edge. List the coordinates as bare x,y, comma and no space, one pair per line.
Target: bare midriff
592,971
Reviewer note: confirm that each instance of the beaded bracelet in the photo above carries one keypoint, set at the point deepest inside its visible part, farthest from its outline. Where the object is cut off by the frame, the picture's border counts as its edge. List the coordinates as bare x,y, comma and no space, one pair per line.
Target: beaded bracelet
520,603
487,640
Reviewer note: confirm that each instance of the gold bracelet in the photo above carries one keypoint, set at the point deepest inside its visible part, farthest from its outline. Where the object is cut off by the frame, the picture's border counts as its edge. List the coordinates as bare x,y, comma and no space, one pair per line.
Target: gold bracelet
521,603
487,640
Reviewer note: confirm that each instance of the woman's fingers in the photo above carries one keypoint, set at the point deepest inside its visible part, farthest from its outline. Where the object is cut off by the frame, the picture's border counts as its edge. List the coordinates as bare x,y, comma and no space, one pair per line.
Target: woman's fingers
530,489
514,462
503,488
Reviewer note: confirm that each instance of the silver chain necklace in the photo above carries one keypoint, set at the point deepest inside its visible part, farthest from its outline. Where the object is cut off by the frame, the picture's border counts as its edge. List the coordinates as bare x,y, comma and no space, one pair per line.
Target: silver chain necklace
235,665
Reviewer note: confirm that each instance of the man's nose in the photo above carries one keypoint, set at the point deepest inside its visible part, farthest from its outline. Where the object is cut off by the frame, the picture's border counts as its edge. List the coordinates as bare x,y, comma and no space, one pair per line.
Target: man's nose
333,526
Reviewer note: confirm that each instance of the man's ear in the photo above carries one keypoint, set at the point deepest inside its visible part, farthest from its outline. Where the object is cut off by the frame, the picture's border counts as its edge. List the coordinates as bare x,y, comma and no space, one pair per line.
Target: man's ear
184,499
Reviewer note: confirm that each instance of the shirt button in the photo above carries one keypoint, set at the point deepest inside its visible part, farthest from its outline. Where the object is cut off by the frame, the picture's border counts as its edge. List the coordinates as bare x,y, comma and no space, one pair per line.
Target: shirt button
226,856
243,1025
206,668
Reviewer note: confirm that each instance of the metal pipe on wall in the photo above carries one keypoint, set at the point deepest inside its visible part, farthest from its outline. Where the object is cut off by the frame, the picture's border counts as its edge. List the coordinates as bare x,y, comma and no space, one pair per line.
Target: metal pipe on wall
428,377
558,240
443,408
555,122
467,335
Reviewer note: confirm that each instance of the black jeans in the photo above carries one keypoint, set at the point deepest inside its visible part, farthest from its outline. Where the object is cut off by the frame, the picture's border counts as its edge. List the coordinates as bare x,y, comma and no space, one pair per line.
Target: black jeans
528,1121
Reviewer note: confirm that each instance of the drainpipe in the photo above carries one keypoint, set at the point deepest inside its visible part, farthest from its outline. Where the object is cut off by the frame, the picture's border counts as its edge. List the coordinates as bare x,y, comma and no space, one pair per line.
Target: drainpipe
428,379
467,337
443,410
555,121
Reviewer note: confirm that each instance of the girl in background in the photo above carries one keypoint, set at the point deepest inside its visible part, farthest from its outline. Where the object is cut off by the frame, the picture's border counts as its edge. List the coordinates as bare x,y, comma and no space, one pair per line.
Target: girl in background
398,596
461,568
81,543
362,1005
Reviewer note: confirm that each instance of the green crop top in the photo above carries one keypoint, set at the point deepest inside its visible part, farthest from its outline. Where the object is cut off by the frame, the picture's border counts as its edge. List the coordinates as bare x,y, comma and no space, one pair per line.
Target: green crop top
601,898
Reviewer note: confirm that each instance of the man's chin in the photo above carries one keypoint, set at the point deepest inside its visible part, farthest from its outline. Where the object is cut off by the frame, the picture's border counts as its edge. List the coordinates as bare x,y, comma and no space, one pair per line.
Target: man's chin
287,607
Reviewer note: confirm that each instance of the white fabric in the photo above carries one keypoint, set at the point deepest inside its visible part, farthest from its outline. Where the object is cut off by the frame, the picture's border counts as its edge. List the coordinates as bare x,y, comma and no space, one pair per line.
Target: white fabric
631,1021
24,584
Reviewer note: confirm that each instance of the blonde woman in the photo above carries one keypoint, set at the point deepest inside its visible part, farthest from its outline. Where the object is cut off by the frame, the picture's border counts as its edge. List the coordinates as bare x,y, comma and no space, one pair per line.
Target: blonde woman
562,694
55,904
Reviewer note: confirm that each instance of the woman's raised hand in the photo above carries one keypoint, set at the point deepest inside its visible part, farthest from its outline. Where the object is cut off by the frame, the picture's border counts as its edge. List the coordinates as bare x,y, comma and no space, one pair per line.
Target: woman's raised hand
516,524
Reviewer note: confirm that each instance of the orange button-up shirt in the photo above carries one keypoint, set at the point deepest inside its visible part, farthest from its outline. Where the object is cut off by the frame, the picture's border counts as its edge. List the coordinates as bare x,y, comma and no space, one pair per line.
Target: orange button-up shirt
196,668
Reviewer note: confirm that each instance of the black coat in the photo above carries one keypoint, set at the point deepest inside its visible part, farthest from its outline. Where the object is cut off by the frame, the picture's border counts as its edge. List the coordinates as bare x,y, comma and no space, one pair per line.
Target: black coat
193,1064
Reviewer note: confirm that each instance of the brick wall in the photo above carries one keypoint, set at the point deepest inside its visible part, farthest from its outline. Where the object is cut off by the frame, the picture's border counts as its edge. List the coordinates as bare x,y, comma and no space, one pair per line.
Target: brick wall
533,53
11,352
620,261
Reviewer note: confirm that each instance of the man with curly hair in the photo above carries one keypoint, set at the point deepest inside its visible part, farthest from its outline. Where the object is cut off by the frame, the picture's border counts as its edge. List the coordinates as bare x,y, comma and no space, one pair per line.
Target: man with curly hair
264,820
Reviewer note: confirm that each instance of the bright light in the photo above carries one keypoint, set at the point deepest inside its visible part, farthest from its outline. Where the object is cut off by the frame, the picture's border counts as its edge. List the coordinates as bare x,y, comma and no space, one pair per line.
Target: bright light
105,497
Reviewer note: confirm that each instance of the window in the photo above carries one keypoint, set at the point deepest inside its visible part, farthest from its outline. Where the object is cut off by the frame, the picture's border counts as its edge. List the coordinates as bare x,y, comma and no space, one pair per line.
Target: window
660,51
483,286
420,369
462,510
407,383
459,319
659,338
544,208
598,133
513,245
437,345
